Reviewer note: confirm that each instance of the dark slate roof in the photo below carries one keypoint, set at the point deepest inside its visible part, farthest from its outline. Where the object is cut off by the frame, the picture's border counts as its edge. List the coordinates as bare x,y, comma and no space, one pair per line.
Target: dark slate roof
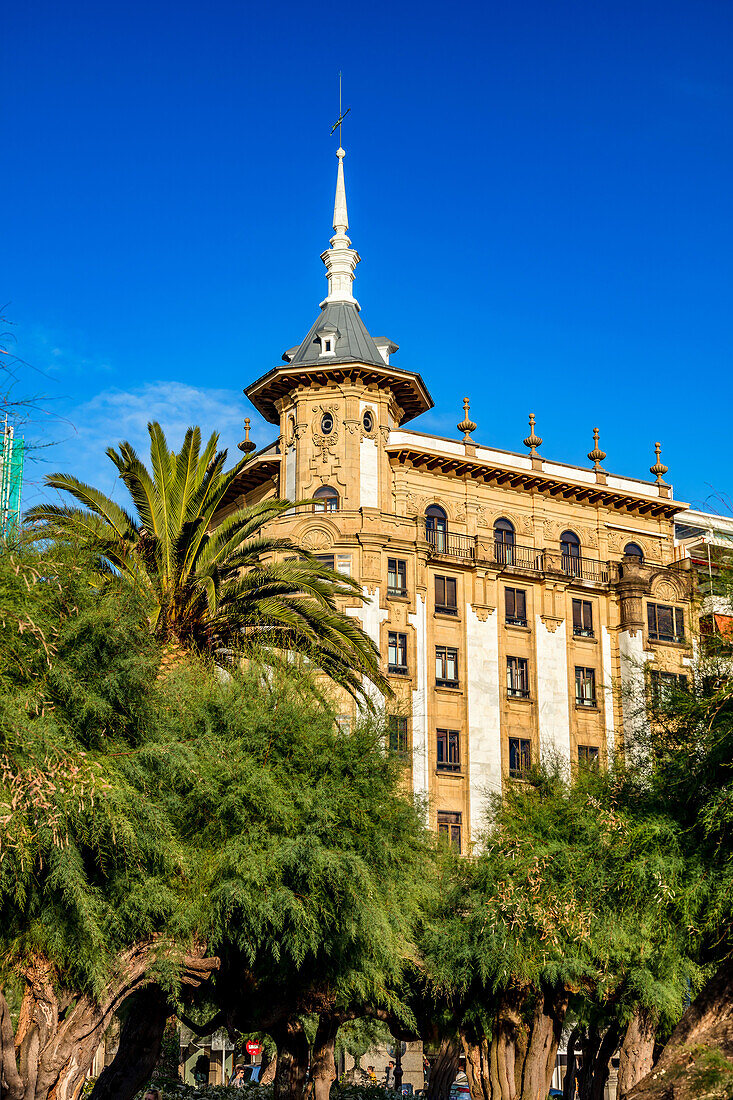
354,344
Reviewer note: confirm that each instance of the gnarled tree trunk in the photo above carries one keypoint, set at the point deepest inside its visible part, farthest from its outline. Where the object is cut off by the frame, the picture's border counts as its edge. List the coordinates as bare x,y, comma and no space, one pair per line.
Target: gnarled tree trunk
323,1061
292,1059
637,1052
140,1040
59,1032
544,1040
444,1070
477,1052
698,1048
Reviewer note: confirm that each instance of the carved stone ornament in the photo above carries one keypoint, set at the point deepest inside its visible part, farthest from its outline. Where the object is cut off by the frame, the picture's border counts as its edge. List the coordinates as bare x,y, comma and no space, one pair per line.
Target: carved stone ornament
459,513
317,538
324,444
552,530
665,590
352,426
551,622
384,432
482,611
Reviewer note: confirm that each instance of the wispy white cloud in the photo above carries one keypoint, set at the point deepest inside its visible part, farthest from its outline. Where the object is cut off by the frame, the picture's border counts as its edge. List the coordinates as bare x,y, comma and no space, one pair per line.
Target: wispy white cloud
114,415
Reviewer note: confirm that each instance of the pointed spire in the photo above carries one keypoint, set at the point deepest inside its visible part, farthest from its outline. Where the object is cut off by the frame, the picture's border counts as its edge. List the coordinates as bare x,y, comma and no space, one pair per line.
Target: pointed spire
340,259
340,214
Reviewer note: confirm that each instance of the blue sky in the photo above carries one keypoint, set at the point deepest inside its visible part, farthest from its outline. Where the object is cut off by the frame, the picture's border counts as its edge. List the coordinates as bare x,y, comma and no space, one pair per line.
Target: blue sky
540,193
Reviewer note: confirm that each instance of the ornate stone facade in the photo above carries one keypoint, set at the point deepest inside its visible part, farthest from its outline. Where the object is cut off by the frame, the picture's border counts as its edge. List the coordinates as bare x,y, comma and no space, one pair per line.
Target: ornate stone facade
523,582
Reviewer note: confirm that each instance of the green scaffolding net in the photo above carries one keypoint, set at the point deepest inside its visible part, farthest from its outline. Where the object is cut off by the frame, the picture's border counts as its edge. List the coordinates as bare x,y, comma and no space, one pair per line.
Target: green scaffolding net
11,480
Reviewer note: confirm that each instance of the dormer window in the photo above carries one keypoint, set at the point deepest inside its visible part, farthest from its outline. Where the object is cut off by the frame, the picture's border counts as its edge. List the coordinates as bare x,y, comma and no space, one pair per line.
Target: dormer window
327,337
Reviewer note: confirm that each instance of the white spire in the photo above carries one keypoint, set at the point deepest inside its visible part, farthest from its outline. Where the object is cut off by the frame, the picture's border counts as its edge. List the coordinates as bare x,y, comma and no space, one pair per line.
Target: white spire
340,259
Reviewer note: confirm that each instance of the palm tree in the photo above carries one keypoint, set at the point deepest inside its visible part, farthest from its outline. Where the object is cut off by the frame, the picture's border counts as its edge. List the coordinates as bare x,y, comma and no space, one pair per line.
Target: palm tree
224,590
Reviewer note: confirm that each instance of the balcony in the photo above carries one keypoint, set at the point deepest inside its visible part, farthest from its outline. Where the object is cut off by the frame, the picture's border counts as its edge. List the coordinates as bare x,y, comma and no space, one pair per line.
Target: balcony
468,548
518,557
452,546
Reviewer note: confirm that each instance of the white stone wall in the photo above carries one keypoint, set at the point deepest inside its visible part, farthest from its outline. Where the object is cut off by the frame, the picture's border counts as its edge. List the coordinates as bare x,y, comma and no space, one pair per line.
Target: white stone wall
372,616
368,464
632,658
484,720
420,760
290,472
552,690
607,681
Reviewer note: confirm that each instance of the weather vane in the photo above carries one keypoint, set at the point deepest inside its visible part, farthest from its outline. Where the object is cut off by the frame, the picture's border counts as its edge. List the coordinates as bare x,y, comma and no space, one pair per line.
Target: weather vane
342,115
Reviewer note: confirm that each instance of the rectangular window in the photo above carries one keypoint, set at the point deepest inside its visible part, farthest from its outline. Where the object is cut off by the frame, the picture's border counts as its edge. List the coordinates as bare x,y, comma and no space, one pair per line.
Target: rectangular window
517,677
446,666
343,564
449,827
449,751
398,734
515,602
664,684
585,687
343,721
588,754
520,756
666,623
583,618
446,597
325,559
396,577
397,652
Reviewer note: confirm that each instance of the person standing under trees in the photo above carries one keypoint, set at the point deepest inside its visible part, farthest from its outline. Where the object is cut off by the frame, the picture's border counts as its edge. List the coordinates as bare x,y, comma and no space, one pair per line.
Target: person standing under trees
389,1075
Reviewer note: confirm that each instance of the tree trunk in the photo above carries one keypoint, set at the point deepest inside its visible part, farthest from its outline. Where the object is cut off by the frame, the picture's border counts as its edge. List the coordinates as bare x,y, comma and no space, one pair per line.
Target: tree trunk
137,1054
637,1052
59,1031
601,1065
477,1053
323,1062
444,1070
544,1040
699,1053
292,1060
568,1085
268,1073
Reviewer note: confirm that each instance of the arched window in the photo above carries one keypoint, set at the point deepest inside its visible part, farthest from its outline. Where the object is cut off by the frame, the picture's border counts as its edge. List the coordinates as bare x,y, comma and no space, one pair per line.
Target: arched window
436,528
326,499
570,549
504,541
633,550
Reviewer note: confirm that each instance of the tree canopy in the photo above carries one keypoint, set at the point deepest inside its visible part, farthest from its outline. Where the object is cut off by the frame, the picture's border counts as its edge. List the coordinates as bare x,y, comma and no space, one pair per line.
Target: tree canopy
215,581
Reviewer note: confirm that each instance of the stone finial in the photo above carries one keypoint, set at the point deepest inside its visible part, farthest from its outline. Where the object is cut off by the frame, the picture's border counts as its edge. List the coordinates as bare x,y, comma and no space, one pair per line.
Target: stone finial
533,441
466,426
596,455
658,469
247,445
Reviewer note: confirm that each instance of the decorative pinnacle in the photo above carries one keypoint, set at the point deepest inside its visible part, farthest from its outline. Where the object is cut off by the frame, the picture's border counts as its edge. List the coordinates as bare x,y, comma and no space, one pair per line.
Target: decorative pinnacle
533,441
659,469
466,426
596,455
247,445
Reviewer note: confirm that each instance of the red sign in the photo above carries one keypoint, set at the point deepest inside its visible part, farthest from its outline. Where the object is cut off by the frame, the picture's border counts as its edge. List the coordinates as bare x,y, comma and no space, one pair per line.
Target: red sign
253,1048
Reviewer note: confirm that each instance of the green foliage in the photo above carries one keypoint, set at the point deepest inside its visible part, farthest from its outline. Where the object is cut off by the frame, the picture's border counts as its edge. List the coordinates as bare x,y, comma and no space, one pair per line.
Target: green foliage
232,810
356,1037
216,589
581,885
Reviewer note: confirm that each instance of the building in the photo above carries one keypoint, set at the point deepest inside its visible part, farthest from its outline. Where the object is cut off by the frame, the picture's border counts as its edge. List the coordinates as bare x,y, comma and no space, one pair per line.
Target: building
516,600
705,540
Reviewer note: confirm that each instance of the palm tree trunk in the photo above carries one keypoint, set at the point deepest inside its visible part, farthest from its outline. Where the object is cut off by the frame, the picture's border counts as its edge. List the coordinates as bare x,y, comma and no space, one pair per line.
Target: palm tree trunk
140,1040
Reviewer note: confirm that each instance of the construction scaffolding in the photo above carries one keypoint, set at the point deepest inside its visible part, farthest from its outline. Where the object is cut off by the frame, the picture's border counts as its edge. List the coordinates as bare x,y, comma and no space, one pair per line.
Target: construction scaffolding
11,480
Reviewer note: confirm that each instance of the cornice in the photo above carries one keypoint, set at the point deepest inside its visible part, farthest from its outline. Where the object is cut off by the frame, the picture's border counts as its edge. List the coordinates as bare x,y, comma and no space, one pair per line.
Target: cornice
412,456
